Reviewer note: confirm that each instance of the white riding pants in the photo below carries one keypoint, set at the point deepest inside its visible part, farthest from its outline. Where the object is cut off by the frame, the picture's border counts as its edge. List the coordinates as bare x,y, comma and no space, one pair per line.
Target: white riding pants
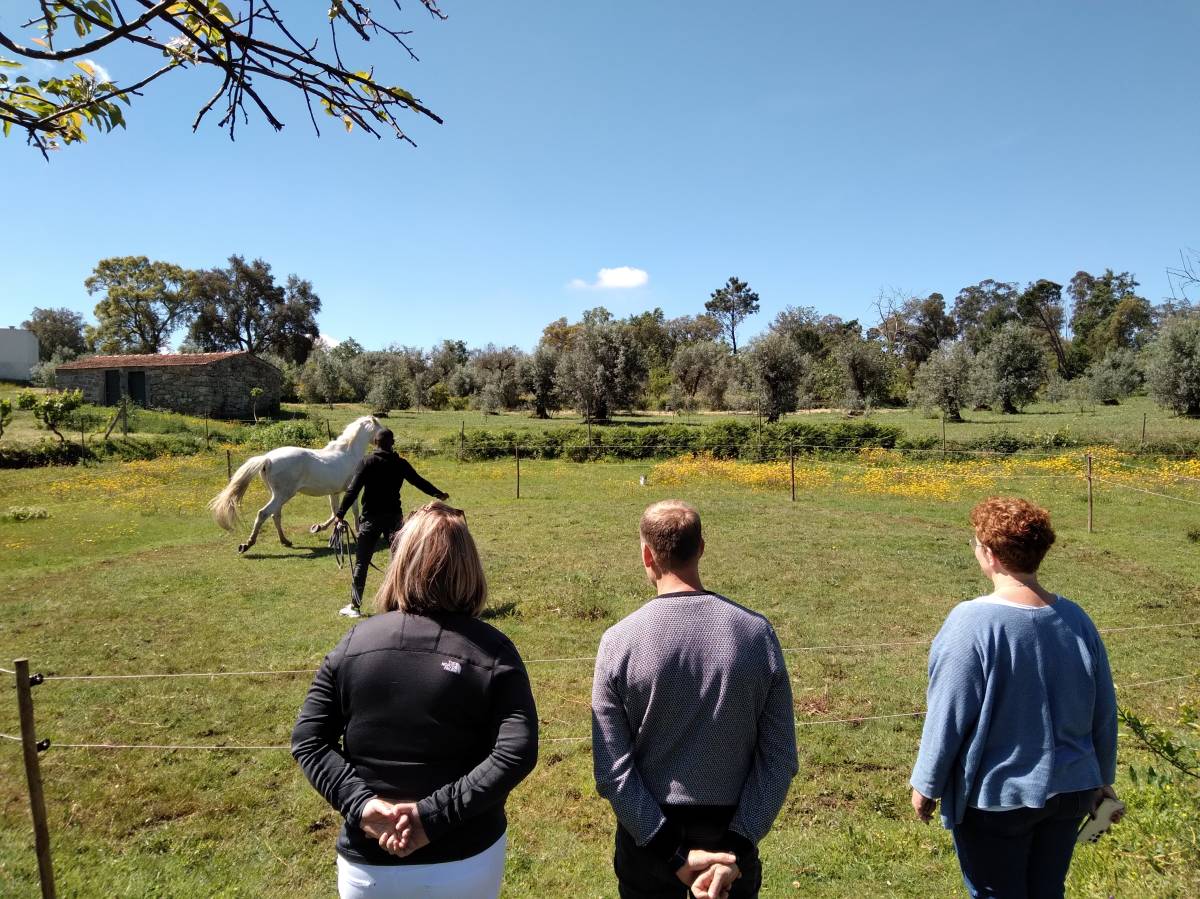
477,877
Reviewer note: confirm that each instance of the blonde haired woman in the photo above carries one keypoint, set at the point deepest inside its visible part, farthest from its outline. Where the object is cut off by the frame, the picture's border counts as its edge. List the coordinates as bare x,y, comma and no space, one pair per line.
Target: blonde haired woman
419,724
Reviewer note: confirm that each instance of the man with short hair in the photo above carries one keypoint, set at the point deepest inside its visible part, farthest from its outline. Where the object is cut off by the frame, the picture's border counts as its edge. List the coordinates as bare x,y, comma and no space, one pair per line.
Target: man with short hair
693,736
379,477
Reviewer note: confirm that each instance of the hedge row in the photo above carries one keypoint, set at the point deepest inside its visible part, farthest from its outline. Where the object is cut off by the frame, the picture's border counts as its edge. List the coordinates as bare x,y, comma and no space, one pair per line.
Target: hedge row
52,452
725,440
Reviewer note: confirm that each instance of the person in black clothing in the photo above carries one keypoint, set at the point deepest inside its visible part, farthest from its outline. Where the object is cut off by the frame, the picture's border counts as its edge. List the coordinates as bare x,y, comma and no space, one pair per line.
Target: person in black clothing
419,724
379,478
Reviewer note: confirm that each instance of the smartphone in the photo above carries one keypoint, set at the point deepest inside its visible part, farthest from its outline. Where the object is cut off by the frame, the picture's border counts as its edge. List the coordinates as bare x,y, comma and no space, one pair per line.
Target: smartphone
1098,824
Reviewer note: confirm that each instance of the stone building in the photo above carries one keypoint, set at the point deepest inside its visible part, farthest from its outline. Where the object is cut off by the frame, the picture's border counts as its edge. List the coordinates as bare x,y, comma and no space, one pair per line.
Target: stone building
218,384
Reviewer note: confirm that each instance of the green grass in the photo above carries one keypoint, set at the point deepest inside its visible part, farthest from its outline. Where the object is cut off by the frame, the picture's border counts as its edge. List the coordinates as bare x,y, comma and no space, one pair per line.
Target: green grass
107,584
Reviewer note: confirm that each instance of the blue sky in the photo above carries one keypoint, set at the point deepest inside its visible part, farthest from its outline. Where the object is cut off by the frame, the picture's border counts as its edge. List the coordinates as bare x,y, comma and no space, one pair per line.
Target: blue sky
822,152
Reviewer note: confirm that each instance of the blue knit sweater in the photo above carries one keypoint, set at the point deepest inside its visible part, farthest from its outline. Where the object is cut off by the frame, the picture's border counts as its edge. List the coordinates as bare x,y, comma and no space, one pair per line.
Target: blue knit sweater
1021,706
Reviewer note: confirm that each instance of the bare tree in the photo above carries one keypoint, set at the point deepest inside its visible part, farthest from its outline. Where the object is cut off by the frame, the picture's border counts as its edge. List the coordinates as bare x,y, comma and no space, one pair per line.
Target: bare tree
249,49
1185,276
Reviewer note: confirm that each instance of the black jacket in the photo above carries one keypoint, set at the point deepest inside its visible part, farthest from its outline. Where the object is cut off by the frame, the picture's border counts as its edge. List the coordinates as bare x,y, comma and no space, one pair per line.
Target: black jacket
413,707
380,477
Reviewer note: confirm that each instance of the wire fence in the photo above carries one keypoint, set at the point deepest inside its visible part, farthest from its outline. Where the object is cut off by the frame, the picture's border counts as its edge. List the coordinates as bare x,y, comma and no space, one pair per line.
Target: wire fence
826,648
799,723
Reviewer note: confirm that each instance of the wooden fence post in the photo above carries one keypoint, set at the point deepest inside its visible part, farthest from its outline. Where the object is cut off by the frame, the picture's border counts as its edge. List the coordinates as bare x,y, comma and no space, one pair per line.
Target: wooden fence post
207,435
228,465
33,775
792,458
1143,430
462,441
943,435
517,453
1089,480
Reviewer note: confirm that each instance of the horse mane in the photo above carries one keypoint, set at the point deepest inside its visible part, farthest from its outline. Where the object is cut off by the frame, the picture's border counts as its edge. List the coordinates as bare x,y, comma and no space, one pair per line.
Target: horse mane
346,438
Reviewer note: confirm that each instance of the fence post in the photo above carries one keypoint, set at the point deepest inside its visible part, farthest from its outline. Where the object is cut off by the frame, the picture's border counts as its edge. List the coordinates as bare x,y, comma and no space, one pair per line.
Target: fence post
1089,480
792,459
1143,446
33,775
462,441
328,430
125,416
228,465
207,435
943,435
517,453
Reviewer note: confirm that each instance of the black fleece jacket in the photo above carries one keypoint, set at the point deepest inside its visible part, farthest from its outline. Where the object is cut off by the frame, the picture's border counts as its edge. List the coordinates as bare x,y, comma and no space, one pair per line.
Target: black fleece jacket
380,477
434,709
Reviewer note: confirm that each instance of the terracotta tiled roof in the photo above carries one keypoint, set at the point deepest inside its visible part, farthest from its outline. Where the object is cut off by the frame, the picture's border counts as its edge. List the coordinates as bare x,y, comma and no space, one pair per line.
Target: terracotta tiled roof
153,360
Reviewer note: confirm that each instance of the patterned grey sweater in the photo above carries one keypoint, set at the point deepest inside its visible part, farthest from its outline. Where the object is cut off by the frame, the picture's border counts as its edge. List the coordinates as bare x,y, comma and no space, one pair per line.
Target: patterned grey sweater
691,705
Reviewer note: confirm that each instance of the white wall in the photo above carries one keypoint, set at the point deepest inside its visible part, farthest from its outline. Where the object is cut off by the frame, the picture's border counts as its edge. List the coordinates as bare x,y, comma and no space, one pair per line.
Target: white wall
18,353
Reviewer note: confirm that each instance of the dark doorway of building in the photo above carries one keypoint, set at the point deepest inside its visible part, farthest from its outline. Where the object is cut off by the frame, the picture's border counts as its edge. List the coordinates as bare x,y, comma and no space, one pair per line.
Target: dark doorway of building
137,387
112,388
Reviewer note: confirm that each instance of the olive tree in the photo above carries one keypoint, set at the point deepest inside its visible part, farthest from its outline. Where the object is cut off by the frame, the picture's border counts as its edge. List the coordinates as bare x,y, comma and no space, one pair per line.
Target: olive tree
1173,365
1114,377
775,368
1011,369
944,380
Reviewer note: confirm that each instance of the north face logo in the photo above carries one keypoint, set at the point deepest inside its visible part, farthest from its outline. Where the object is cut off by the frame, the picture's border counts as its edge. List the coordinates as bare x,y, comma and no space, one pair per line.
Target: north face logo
452,666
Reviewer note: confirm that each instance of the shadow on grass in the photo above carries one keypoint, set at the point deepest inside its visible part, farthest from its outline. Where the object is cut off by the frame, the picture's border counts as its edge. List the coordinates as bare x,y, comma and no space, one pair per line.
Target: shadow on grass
299,553
502,610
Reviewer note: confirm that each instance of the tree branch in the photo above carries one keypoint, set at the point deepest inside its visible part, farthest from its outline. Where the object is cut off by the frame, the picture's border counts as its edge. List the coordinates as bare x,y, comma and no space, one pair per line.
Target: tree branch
115,33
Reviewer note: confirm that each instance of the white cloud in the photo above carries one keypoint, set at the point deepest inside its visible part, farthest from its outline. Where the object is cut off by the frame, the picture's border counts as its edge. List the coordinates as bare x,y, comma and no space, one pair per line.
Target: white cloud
101,72
327,342
622,277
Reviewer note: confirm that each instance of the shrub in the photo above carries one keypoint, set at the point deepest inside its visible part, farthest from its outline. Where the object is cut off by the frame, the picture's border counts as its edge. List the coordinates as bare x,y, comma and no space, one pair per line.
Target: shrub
129,449
295,432
25,513
1003,442
54,409
46,452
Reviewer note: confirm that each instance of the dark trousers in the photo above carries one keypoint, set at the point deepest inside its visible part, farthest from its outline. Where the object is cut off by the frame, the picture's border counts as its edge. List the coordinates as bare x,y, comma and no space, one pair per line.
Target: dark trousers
369,535
1023,853
643,875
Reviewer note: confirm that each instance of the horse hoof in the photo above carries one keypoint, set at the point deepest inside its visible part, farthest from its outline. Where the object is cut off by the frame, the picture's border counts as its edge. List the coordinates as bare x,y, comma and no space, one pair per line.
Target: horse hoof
287,543
315,529
242,547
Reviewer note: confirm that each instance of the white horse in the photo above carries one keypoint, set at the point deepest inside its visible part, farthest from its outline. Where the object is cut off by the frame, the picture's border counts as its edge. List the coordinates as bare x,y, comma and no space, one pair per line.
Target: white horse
289,470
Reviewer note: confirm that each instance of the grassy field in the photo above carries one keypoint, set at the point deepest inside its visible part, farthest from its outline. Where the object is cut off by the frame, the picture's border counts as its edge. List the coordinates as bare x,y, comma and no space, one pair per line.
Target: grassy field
128,575
1119,425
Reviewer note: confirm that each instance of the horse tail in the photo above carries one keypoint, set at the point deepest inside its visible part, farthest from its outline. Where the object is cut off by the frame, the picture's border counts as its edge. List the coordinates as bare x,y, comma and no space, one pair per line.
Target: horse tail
224,506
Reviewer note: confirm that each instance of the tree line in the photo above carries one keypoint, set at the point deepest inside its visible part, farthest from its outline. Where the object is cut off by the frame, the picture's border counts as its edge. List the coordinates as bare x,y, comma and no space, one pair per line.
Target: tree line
996,345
